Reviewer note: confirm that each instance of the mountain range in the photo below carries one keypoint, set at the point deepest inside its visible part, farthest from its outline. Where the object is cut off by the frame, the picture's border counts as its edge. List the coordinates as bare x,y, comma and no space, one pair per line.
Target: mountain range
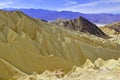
50,15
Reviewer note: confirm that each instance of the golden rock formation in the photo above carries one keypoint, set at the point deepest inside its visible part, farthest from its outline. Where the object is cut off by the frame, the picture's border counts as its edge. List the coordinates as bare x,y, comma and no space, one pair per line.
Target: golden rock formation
31,45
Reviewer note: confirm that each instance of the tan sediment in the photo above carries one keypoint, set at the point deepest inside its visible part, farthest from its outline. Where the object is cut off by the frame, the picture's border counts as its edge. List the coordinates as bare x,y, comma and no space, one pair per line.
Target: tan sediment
31,45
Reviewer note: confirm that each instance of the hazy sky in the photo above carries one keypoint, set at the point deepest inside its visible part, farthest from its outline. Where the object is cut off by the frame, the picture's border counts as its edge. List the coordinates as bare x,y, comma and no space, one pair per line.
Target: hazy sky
84,6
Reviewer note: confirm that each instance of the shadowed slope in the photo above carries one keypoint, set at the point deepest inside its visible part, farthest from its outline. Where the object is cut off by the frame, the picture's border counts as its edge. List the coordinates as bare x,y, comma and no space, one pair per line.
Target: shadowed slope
82,25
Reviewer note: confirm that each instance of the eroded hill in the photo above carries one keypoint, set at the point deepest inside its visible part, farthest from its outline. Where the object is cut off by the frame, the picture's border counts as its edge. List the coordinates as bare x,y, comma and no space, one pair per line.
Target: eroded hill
81,25
113,28
32,45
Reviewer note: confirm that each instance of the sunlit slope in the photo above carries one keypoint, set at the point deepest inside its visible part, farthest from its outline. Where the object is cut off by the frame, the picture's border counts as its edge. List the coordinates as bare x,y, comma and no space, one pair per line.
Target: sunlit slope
34,46
8,71
113,30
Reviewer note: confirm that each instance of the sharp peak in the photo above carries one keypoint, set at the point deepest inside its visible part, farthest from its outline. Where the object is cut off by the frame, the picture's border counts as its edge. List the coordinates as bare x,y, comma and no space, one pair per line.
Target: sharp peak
82,18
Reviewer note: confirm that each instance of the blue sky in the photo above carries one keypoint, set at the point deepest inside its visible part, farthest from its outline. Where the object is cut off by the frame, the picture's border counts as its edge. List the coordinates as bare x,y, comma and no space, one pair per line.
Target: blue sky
83,6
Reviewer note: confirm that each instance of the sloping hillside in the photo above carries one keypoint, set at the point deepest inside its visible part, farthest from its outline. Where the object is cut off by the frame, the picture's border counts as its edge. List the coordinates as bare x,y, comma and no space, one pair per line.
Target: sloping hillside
32,45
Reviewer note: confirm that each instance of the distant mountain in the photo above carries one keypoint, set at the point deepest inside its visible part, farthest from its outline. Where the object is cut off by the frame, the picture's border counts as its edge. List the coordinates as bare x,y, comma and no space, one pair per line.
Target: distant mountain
53,15
80,24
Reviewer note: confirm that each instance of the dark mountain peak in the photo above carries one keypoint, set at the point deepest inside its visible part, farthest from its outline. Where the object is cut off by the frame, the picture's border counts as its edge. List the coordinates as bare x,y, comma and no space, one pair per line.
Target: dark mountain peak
83,21
82,18
83,25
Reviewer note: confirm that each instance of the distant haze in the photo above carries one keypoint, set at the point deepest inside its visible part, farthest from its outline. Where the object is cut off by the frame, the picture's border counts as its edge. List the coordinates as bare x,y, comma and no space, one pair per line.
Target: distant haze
100,25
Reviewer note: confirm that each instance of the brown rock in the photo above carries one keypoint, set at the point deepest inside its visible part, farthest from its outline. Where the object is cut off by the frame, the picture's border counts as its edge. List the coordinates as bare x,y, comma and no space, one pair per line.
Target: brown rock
83,25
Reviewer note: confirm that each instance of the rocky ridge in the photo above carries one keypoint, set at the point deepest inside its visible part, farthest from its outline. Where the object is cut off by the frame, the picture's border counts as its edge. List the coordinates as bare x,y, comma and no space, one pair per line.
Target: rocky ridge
82,25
